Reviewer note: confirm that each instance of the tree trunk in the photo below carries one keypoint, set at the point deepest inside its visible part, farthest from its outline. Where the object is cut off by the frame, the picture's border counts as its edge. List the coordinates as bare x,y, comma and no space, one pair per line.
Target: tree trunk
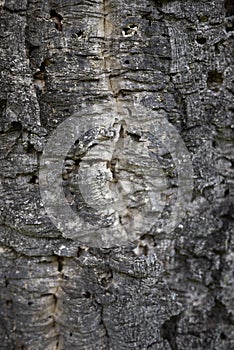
138,253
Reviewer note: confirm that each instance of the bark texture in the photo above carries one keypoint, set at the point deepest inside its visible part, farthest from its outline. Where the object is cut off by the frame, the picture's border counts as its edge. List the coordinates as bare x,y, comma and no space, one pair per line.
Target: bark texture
165,290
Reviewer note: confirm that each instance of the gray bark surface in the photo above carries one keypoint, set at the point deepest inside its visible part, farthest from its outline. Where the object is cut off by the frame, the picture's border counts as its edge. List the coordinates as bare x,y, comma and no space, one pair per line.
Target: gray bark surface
164,290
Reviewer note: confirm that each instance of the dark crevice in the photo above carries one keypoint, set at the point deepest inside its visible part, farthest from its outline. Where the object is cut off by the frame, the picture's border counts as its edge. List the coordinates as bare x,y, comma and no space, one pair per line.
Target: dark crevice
44,64
112,166
30,148
77,162
32,51
47,295
223,336
92,145
144,249
41,73
122,93
78,34
169,331
31,48
214,78
3,103
121,132
129,30
60,263
219,314
80,251
87,295
216,47
201,40
148,17
229,7
34,179
230,26
15,126
134,136
57,18
104,325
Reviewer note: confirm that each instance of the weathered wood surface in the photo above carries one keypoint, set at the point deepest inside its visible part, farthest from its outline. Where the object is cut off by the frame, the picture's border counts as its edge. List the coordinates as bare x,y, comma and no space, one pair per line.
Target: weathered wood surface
168,290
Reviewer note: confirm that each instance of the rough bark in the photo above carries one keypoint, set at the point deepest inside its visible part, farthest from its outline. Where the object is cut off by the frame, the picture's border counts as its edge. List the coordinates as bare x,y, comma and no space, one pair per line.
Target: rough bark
166,290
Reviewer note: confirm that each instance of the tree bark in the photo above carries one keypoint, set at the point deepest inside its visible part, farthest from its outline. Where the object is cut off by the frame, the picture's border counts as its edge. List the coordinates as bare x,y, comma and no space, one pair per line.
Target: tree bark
119,68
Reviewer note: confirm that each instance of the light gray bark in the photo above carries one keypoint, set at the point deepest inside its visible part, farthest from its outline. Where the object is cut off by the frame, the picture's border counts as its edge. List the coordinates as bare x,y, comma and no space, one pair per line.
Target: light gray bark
165,290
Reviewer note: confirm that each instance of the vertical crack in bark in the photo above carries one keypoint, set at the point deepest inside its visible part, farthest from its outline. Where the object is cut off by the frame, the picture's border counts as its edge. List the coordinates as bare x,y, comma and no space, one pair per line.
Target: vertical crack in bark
115,185
105,36
116,153
55,312
60,263
102,322
107,71
169,331
54,316
116,106
37,79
